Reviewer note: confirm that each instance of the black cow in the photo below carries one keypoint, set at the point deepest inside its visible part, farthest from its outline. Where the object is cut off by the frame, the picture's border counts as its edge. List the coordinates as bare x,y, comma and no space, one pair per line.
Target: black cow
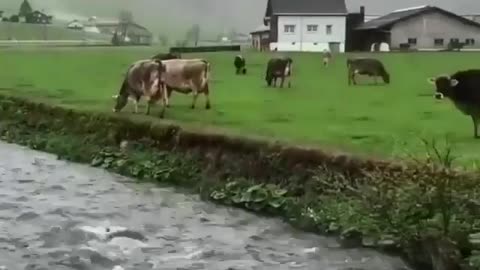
166,56
366,66
463,89
279,68
239,64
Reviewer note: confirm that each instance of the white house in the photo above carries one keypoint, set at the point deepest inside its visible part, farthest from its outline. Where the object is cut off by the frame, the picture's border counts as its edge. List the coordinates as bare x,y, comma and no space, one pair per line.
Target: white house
306,25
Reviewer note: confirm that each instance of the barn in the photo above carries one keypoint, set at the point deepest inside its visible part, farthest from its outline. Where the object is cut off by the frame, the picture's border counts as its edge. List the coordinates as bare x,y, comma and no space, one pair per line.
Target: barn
261,38
420,28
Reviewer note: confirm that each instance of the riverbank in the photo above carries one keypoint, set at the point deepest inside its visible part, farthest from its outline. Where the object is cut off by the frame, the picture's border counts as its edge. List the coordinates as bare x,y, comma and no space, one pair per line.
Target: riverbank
424,211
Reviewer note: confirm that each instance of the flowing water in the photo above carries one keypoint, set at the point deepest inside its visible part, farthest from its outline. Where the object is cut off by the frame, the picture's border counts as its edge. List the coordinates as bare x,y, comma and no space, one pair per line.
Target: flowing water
59,215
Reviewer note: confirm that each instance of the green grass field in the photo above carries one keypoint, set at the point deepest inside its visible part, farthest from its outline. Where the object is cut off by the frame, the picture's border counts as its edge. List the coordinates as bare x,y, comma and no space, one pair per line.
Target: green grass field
320,109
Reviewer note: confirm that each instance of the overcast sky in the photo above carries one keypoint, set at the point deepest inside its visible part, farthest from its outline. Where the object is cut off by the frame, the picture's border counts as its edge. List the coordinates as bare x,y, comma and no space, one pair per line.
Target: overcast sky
213,15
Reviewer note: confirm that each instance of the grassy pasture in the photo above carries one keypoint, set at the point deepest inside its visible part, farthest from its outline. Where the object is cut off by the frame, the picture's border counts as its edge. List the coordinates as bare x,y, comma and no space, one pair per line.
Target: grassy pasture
320,109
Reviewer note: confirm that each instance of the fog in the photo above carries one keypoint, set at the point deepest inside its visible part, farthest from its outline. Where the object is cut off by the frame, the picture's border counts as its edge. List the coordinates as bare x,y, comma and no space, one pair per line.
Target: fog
214,16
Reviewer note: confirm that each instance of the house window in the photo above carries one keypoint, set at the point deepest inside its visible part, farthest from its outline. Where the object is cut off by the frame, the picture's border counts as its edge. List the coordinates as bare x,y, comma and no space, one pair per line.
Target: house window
289,28
312,27
412,41
328,29
454,40
438,42
470,41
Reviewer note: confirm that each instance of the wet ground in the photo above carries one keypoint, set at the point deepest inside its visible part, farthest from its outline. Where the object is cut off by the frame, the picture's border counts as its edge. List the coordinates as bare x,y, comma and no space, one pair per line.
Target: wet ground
58,215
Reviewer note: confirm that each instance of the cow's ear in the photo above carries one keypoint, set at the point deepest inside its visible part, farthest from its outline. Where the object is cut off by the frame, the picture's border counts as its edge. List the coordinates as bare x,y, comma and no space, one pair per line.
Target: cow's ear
431,80
453,82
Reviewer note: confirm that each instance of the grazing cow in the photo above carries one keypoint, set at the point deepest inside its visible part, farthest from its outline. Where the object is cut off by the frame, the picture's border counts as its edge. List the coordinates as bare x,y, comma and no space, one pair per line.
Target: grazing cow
366,66
143,78
463,89
279,68
167,56
327,56
186,76
239,64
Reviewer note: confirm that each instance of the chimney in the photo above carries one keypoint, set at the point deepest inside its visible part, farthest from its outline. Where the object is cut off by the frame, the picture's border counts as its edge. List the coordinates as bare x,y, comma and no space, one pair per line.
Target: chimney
362,10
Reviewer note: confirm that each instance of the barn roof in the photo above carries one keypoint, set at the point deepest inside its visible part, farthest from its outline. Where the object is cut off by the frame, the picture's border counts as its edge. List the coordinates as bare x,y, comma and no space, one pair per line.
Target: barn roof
404,14
305,7
260,29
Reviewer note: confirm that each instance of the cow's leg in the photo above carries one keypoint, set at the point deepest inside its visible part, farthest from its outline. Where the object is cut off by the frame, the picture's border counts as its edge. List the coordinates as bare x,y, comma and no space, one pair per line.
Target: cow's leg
282,81
149,103
195,90
206,92
165,95
475,126
274,81
194,101
135,103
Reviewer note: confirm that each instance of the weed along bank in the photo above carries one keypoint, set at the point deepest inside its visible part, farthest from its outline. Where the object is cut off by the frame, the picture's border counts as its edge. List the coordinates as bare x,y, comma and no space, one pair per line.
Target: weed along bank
428,212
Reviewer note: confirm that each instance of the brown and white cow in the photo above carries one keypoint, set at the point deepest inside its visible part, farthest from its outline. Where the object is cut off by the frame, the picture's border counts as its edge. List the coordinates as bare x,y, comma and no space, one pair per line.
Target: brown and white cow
187,76
143,78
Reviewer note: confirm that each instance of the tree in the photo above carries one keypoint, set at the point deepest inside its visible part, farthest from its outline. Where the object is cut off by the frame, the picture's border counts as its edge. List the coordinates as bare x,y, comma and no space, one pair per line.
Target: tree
14,18
232,34
193,34
163,40
25,9
196,34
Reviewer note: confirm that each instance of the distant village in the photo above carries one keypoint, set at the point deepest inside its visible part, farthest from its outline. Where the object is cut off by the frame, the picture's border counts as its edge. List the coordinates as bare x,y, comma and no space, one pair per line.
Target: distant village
123,31
300,25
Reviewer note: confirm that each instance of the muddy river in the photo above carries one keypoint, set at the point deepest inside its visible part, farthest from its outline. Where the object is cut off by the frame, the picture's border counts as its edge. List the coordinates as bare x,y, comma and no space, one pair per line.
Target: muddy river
56,215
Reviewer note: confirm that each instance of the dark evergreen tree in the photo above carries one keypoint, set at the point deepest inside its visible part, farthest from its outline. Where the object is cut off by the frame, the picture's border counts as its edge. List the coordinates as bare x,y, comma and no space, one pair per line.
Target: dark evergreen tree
25,9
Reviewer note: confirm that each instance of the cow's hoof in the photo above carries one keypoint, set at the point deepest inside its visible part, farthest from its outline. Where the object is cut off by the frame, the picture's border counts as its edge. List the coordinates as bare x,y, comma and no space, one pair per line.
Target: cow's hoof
208,107
192,107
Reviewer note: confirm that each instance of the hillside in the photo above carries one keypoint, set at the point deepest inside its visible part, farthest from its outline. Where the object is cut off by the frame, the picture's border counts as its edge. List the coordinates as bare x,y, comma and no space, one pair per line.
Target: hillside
22,31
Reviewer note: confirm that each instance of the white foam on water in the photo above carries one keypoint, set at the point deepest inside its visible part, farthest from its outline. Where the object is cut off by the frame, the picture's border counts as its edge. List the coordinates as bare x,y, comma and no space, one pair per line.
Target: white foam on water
101,231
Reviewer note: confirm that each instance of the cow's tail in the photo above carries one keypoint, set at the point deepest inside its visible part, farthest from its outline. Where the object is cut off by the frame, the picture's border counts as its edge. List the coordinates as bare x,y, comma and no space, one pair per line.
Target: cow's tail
206,73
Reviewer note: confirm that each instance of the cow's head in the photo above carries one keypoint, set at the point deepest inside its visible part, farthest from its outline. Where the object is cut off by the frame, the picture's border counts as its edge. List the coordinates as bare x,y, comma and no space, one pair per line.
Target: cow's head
121,101
386,77
288,66
443,86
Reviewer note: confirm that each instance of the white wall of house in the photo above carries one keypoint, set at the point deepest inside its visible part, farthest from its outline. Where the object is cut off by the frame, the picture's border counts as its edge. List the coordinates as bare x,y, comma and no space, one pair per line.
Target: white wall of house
310,33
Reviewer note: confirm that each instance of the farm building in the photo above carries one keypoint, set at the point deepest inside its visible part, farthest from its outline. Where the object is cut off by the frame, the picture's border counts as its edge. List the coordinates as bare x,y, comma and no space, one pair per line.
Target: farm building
261,38
306,25
75,25
132,33
421,28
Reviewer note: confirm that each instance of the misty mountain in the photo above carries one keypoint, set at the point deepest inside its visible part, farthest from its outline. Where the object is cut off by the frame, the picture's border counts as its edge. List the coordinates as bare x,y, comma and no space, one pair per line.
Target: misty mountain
214,16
